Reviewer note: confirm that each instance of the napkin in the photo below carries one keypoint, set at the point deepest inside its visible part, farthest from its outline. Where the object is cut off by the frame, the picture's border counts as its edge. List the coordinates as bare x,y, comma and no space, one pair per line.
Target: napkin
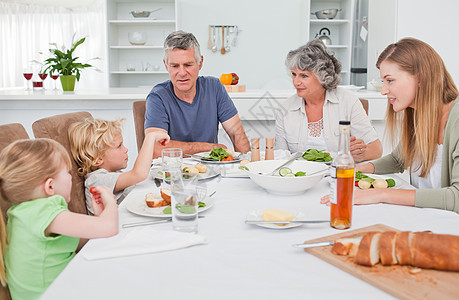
139,240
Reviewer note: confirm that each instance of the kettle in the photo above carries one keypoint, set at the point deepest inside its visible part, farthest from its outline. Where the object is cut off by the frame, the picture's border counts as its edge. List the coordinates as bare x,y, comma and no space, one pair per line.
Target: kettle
325,38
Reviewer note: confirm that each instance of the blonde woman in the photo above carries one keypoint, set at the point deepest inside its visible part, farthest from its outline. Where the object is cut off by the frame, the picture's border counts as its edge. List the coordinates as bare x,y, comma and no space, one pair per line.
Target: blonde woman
42,235
98,149
423,109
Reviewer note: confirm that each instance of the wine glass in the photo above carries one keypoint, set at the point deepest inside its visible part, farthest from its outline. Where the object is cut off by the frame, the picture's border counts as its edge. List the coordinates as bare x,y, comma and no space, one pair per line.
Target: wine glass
54,77
28,73
42,76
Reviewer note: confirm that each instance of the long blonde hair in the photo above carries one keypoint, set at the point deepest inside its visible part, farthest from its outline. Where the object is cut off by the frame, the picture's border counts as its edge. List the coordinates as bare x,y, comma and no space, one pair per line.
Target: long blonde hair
90,139
24,166
419,126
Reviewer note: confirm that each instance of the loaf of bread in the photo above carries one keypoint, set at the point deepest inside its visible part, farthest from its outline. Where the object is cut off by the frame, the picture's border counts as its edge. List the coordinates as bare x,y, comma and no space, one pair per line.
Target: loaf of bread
347,246
154,200
417,249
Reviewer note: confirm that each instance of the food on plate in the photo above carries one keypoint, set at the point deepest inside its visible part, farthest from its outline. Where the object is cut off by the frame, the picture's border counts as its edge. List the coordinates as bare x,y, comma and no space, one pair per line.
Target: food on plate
230,151
417,249
202,168
166,194
191,170
168,209
287,172
244,162
364,185
380,184
226,79
317,155
218,155
228,158
155,200
274,214
374,183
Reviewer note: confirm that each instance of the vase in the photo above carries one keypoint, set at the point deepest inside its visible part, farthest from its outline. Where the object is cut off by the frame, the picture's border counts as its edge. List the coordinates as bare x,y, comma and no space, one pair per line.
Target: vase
68,82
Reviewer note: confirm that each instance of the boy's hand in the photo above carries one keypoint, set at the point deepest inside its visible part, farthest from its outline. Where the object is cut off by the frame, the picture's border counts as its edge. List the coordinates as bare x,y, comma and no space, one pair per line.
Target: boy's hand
100,198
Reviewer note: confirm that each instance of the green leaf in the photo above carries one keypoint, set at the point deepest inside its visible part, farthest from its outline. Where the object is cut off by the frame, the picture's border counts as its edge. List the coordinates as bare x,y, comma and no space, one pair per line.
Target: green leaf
201,204
300,173
390,182
167,210
186,208
244,168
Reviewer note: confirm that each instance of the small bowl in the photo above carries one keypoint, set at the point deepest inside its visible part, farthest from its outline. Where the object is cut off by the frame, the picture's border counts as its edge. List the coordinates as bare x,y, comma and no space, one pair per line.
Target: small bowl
140,13
377,85
137,38
286,185
327,13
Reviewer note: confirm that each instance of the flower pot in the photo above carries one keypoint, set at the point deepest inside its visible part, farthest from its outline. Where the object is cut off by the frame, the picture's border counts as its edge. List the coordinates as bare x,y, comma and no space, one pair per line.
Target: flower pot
68,82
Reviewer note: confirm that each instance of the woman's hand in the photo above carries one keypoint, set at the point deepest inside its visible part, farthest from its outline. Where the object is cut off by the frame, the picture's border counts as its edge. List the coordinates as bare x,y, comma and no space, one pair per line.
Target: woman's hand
358,148
372,196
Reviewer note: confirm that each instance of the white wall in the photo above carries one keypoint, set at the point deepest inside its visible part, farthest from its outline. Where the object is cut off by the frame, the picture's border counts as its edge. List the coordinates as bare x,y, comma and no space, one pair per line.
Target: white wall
270,29
434,22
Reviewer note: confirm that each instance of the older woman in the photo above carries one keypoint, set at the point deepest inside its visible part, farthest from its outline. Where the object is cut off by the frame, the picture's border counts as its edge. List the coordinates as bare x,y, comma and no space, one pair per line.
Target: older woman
311,117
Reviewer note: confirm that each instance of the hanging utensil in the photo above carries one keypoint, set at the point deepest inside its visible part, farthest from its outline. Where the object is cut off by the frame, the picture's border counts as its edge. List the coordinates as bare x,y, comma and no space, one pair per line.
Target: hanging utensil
227,48
209,41
235,30
223,51
214,39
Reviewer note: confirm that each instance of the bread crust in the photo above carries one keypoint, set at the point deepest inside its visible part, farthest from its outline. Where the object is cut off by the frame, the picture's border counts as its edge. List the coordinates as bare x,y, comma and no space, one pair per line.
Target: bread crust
387,248
368,253
435,251
346,246
402,247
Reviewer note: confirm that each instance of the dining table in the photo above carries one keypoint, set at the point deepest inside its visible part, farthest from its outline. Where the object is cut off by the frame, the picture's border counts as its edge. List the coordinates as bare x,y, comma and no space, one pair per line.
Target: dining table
239,260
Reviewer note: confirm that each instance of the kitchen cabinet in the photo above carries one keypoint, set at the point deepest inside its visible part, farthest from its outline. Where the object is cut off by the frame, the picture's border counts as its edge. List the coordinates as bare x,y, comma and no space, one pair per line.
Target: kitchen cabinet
340,30
140,64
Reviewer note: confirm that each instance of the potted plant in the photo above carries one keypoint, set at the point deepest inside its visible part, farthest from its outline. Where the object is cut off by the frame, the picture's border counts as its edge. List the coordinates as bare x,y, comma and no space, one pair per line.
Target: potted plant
63,63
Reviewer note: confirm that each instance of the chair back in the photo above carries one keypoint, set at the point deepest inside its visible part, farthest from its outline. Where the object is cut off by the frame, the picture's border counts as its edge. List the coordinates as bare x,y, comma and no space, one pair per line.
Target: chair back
138,109
364,104
10,133
56,128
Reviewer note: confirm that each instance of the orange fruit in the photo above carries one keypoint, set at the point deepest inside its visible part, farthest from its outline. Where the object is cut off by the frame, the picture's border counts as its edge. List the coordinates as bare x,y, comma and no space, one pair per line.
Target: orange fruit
226,79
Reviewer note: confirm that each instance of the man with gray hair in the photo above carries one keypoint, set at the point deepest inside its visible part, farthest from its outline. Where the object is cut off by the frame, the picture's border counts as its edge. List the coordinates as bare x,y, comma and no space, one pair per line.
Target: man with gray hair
190,107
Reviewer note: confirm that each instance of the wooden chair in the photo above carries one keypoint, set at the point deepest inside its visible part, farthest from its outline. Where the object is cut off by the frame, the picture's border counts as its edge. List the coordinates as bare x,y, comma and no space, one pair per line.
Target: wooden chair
56,128
138,109
364,104
8,134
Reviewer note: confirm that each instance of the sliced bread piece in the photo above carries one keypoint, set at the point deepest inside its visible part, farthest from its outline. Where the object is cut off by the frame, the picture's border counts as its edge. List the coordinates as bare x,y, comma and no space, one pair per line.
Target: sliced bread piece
346,246
153,200
403,247
435,251
368,252
387,248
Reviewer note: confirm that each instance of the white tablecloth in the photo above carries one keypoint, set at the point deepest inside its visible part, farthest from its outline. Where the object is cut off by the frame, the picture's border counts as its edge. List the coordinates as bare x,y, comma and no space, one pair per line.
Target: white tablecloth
241,261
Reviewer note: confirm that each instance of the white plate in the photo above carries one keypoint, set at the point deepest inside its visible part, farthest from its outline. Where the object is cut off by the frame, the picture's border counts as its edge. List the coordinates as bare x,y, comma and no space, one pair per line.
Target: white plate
398,184
136,204
204,154
156,172
257,215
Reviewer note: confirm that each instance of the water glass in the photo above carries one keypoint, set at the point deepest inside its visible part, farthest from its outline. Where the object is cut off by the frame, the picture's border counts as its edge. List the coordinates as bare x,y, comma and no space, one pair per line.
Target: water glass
184,209
172,158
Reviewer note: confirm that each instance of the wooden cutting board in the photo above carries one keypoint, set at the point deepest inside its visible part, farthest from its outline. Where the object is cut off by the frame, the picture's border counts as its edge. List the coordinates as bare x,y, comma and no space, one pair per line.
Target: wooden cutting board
395,280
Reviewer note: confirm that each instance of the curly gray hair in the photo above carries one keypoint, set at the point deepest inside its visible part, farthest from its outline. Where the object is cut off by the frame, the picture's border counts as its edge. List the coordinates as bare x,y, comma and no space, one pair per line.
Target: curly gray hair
317,58
182,40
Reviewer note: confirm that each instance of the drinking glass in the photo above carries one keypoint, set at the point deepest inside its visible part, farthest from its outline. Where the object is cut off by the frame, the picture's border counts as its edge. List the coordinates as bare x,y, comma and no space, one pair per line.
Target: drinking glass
28,73
54,77
172,158
43,76
184,208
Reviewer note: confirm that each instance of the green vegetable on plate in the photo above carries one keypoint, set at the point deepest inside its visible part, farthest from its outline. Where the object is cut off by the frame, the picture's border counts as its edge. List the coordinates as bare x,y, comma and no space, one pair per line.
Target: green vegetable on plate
317,155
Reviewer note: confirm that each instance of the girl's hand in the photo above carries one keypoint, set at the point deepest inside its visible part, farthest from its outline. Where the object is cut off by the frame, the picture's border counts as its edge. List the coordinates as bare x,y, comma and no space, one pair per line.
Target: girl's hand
162,137
369,196
100,198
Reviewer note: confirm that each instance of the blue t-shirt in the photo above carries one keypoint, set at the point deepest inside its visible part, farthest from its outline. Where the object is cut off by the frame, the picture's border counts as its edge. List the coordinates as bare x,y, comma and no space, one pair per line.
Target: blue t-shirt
190,122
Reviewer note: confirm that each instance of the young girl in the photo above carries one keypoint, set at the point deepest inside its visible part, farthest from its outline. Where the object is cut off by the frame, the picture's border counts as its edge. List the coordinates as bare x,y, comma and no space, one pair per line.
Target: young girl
43,235
97,147
424,108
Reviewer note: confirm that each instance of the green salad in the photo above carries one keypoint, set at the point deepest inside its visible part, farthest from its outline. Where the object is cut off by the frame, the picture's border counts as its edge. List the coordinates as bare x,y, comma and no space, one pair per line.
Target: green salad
317,155
217,155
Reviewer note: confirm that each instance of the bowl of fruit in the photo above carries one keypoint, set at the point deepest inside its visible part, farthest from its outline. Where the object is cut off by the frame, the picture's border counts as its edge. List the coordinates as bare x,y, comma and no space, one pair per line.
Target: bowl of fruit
293,179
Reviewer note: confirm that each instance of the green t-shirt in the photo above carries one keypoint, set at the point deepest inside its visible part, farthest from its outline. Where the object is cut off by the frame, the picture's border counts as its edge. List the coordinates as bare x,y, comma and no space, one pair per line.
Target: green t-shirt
32,259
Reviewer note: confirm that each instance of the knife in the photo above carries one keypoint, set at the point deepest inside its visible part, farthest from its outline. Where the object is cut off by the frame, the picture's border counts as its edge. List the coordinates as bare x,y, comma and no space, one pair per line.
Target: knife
310,245
151,222
200,157
287,222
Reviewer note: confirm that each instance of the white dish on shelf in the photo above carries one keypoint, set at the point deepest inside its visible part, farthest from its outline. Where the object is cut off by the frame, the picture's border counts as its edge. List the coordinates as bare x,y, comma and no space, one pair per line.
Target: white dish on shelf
137,38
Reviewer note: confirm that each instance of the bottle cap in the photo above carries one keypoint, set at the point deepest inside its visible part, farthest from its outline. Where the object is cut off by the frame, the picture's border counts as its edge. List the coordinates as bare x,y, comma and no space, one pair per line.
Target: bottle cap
344,122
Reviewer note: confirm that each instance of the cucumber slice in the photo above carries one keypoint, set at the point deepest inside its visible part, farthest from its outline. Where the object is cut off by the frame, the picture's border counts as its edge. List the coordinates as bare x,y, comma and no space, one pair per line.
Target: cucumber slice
290,175
285,171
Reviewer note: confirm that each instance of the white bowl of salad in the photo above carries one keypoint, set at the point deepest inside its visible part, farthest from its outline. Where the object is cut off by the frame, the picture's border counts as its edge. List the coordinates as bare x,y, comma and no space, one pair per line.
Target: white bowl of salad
293,179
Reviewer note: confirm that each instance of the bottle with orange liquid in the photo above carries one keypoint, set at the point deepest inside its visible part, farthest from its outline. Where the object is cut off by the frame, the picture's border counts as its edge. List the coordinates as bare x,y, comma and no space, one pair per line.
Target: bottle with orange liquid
342,186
